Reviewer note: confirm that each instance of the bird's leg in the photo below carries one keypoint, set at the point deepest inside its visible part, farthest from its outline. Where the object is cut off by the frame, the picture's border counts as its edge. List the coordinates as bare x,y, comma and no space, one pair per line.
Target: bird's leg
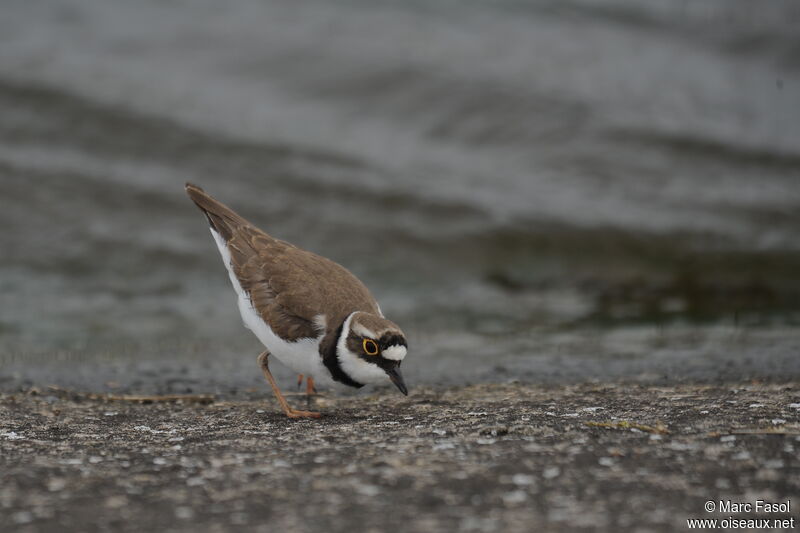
310,390
299,380
291,413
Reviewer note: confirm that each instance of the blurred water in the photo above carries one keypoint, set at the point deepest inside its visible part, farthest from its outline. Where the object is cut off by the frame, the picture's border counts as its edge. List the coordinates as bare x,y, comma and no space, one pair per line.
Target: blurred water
543,190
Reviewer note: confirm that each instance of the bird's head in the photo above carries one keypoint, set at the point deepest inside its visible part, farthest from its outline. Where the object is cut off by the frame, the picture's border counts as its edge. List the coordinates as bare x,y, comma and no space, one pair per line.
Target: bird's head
371,348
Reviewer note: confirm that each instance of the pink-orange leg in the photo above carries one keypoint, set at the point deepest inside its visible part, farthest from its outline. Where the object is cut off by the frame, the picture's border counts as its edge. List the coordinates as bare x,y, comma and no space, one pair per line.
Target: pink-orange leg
291,413
311,390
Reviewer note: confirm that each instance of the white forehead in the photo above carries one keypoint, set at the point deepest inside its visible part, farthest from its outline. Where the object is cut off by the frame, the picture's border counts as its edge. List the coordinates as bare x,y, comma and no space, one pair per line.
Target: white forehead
396,352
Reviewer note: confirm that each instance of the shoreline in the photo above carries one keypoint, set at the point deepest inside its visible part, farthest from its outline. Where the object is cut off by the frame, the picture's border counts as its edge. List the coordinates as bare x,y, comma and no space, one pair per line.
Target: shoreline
486,457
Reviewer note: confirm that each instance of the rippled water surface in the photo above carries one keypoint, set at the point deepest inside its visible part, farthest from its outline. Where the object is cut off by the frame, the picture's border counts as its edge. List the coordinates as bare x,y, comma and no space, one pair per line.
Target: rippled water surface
533,190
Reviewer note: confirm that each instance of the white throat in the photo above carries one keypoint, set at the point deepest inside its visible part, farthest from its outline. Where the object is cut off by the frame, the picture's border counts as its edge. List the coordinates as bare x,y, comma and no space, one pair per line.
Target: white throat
352,365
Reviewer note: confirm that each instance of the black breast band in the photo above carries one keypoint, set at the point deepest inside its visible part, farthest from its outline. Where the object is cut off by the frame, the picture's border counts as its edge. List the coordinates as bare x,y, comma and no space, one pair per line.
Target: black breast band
331,362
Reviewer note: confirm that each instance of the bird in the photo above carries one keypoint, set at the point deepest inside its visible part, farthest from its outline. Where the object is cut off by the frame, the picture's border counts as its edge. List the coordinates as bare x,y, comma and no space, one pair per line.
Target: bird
311,313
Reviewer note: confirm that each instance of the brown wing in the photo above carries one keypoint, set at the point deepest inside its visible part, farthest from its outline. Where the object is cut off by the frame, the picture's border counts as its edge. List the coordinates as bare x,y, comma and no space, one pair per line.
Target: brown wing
288,286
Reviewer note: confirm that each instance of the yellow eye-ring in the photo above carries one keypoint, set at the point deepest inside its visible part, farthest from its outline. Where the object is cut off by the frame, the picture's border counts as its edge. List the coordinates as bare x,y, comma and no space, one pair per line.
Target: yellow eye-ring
370,347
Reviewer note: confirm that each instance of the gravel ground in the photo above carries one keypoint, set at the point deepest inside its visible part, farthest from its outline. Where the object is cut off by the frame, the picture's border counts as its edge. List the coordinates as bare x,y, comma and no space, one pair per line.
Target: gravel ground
482,458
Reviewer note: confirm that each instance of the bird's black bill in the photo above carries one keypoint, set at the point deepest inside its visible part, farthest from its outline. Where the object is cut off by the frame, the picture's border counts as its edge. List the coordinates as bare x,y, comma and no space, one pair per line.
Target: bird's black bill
397,379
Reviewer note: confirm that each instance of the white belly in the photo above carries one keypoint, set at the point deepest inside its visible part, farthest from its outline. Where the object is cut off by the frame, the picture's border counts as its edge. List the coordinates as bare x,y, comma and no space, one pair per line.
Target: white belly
302,356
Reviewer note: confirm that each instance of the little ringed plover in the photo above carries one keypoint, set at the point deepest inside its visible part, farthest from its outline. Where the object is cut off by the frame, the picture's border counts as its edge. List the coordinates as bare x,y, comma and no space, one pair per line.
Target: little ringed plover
312,314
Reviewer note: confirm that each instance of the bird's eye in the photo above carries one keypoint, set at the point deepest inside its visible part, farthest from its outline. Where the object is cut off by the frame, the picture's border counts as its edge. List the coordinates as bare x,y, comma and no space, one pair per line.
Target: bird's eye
370,347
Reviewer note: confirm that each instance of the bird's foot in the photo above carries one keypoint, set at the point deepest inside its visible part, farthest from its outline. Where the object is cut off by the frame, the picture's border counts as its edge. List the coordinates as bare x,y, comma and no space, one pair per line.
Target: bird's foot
296,413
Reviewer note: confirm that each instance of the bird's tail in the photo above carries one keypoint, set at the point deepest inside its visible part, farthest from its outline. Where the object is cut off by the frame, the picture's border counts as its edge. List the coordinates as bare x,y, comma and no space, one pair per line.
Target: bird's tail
222,218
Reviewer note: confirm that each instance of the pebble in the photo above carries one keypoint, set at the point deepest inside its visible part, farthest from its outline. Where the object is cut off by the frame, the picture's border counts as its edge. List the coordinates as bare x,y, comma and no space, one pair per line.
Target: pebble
368,490
551,472
116,502
523,479
184,513
514,497
55,484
